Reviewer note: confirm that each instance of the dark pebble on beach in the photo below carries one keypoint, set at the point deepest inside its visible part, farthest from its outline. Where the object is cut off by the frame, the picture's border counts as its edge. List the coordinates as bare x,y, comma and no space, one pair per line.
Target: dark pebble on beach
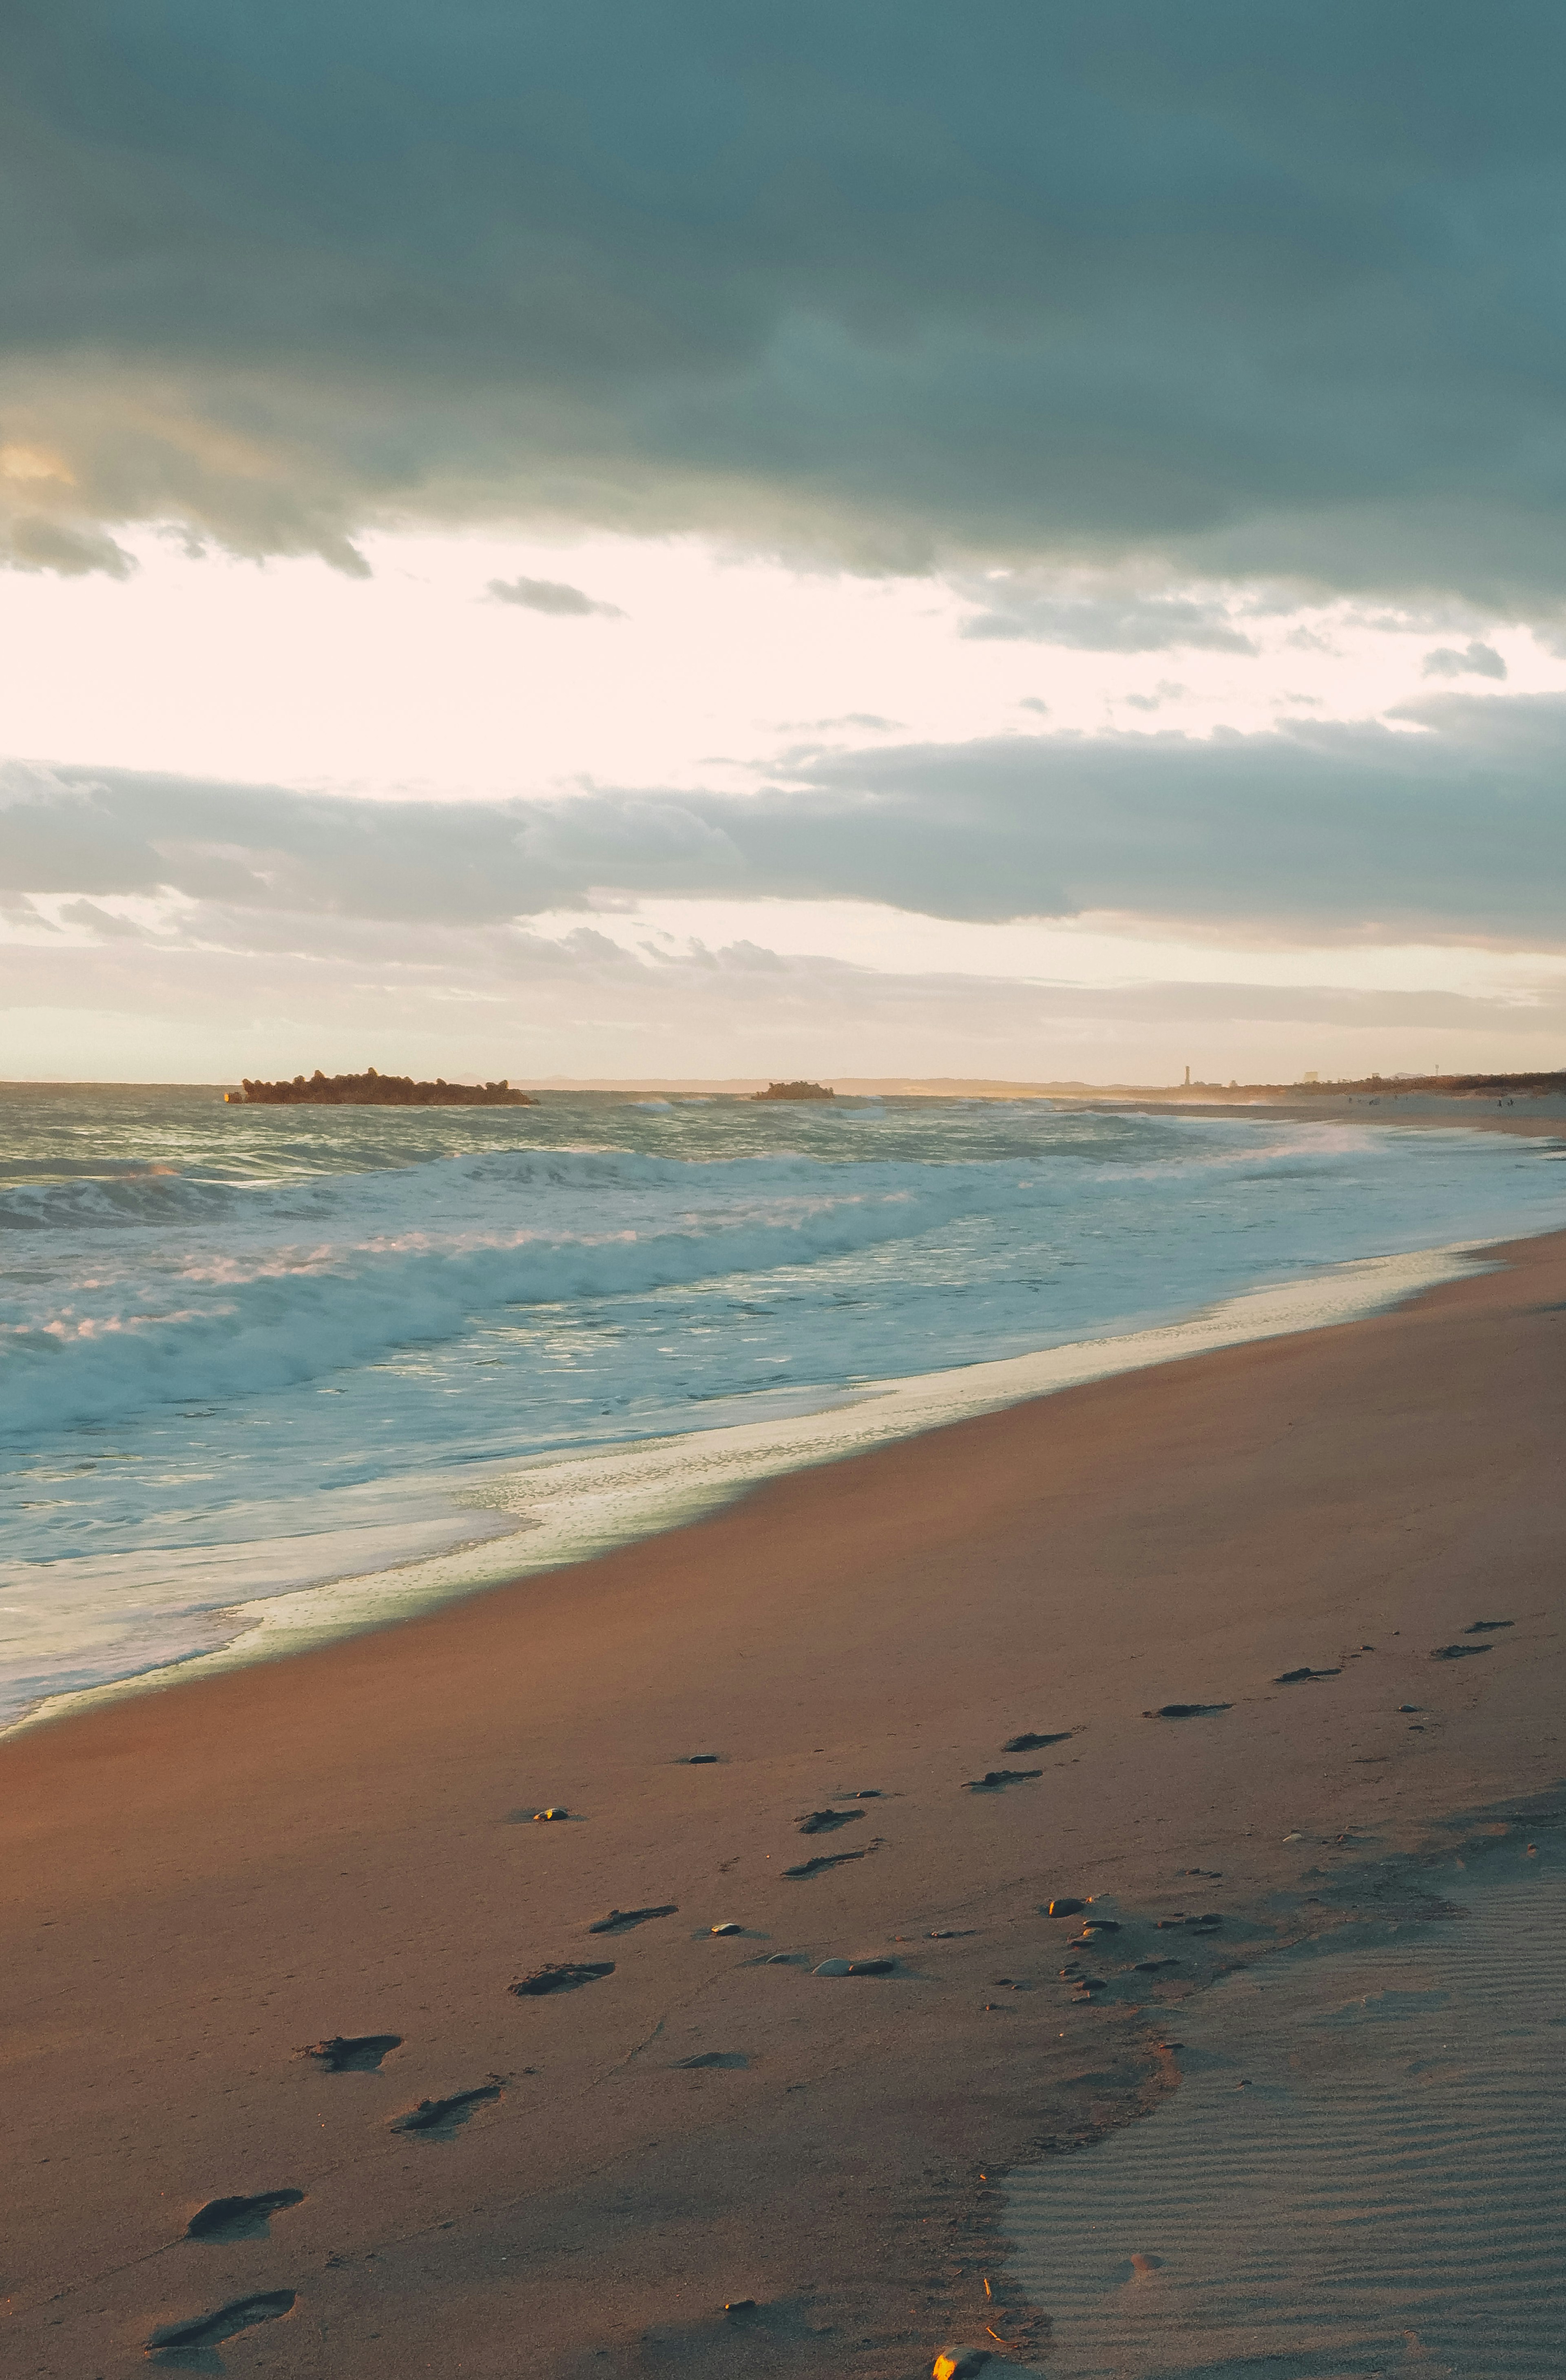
1066,1907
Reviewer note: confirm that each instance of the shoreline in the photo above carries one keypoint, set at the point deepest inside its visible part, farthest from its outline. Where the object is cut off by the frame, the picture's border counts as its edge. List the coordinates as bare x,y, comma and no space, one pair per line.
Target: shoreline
570,1508
341,1843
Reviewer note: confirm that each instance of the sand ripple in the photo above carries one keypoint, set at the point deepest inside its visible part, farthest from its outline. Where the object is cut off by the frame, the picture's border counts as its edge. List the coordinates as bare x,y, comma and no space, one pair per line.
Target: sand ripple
1363,2172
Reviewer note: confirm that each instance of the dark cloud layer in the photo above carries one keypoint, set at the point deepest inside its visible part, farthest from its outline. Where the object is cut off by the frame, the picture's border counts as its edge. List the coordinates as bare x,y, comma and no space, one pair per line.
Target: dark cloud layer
1259,289
1453,822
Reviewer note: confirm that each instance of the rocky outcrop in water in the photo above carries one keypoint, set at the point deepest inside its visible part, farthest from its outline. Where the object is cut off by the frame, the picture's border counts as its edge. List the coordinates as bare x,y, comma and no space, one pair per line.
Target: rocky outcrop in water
372,1090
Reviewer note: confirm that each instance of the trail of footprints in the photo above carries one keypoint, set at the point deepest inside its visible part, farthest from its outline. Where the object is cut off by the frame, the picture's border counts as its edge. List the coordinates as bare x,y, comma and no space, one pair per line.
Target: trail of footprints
223,2221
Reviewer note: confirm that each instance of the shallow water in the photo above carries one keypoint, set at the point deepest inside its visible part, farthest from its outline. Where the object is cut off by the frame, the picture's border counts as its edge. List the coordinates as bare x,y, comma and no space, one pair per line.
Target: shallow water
246,1351
1363,2171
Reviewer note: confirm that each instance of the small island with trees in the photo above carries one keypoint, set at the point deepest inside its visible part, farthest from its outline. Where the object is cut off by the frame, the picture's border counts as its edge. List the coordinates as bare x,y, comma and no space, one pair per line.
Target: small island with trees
372,1090
794,1091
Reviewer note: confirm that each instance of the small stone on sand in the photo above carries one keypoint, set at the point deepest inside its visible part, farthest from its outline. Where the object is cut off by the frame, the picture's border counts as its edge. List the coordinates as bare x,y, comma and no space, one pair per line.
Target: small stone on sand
959,2362
701,1759
832,1967
1066,1907
728,1927
539,1815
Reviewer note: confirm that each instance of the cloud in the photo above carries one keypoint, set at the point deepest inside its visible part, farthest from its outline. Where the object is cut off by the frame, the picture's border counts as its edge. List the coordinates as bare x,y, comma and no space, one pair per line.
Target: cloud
1449,821
35,543
106,924
1243,290
1479,660
1110,623
548,595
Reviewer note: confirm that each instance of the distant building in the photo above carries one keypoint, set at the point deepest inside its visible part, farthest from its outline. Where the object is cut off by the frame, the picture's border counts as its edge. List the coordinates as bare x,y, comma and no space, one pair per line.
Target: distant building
1310,1075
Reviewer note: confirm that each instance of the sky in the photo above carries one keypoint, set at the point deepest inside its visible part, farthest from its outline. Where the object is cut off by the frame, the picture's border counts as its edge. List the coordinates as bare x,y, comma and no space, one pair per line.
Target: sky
640,541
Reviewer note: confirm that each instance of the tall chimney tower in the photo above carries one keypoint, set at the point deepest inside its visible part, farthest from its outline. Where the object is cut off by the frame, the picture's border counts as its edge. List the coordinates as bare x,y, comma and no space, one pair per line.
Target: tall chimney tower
1188,1078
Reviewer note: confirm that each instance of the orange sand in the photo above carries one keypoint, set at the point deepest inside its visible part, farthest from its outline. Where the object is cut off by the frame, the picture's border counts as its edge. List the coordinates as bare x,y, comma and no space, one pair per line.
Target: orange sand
206,1878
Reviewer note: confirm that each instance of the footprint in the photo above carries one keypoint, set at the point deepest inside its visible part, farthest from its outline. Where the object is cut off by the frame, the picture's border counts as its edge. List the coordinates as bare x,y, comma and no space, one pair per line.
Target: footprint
1187,1710
620,1921
561,1979
733,2061
1458,1652
1293,1676
817,1867
994,1780
228,2322
1484,1627
224,2219
357,2053
439,2119
1034,1743
821,1822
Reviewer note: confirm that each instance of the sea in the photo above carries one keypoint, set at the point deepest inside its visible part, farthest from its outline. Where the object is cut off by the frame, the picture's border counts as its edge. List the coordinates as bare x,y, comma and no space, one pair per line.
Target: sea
271,1374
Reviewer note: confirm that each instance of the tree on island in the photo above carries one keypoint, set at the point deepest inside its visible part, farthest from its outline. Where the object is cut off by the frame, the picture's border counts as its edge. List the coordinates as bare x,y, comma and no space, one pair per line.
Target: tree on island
372,1090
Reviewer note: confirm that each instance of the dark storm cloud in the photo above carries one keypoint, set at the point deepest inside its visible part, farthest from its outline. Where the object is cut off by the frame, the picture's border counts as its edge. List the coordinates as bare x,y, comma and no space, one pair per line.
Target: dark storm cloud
1453,822
1256,289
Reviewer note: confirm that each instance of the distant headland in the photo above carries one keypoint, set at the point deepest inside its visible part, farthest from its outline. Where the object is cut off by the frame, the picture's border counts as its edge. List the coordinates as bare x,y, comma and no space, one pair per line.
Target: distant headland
794,1091
372,1090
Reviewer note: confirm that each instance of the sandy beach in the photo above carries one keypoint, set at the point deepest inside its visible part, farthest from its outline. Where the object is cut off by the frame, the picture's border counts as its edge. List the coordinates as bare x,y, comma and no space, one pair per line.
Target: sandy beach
204,1880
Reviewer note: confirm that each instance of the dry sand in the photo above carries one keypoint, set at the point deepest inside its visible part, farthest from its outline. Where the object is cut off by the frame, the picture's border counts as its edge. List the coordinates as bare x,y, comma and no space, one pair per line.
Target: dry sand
203,1879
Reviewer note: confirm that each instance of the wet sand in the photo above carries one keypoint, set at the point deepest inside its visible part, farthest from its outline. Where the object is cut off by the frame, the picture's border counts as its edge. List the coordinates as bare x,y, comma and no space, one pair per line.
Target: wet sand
204,1879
